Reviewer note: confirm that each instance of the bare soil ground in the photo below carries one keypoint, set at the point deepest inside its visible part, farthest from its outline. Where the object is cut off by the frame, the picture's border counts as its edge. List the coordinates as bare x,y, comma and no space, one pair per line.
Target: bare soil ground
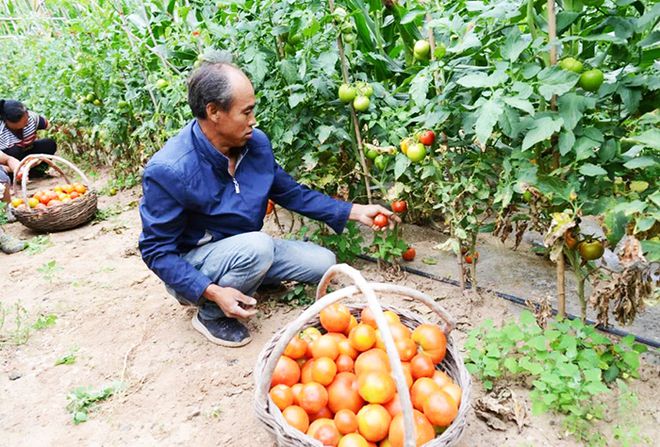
179,389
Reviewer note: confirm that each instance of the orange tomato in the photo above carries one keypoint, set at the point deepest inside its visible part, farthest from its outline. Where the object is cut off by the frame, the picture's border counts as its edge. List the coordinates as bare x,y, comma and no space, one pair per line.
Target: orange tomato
344,363
343,393
346,421
362,337
393,407
309,335
33,202
376,387
54,202
421,366
324,430
441,378
296,348
313,397
407,374
346,348
296,417
421,390
281,395
16,202
322,413
372,360
440,409
406,349
306,372
454,391
423,430
79,188
431,340
353,440
367,317
323,370
295,390
351,325
373,422
270,207
391,317
335,318
286,371
325,346
74,194
68,189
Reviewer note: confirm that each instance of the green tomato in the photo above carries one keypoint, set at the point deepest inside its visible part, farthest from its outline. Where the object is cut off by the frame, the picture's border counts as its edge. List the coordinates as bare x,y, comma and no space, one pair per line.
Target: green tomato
571,64
90,97
416,152
591,80
339,14
440,51
97,102
591,251
347,93
294,39
421,50
122,104
364,88
372,154
361,103
381,162
161,84
348,37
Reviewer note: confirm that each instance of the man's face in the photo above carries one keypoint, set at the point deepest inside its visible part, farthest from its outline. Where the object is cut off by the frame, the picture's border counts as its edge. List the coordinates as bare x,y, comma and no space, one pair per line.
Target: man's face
19,125
235,125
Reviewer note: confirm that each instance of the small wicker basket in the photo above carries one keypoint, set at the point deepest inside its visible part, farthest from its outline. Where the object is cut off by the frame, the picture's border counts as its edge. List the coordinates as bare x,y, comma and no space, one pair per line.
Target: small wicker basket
271,415
60,217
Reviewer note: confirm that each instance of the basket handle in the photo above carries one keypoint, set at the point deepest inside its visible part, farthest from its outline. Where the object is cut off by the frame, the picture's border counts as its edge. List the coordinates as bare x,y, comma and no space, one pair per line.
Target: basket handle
448,322
372,302
32,160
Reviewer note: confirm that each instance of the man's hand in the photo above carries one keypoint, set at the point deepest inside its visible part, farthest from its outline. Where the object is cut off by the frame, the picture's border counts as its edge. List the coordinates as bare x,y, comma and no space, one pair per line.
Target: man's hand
229,300
365,214
13,164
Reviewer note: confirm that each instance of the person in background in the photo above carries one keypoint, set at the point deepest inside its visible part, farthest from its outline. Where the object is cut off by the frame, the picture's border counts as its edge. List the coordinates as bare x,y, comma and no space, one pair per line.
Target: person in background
18,134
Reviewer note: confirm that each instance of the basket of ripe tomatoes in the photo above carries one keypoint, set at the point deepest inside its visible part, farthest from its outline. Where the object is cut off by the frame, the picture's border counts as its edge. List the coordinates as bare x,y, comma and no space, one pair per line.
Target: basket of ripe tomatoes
361,375
62,207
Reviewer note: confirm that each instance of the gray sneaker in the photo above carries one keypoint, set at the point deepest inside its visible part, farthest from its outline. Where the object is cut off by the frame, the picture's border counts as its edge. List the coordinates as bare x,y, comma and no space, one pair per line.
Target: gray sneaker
10,216
224,331
9,244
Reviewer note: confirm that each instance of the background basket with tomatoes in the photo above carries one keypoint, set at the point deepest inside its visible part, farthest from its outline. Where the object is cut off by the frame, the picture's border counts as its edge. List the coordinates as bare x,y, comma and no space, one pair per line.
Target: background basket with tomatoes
356,375
64,207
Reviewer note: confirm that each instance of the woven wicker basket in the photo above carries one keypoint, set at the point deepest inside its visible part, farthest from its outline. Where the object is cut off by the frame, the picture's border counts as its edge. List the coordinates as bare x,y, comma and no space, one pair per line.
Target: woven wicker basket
271,416
60,217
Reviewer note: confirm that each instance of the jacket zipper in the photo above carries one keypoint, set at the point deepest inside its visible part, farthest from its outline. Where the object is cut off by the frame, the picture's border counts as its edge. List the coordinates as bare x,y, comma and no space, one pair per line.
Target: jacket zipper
237,187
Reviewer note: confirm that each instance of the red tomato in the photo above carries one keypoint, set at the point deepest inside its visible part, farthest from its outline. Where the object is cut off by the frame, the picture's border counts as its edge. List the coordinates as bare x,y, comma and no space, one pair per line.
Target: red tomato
409,254
427,138
399,206
473,257
380,220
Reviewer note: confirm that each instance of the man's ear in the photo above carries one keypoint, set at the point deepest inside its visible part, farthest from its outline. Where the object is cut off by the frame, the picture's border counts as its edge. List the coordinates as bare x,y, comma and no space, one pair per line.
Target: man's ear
213,112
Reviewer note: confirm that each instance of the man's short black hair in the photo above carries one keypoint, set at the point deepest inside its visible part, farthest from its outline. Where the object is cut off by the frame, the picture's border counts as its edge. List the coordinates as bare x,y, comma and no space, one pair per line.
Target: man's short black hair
209,83
11,110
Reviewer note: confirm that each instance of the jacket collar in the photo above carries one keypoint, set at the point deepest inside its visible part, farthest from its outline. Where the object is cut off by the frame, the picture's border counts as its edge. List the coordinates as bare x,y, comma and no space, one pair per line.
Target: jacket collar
202,144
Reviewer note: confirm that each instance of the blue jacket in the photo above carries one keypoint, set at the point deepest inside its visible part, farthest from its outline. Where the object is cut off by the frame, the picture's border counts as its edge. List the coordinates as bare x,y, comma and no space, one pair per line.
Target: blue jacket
190,199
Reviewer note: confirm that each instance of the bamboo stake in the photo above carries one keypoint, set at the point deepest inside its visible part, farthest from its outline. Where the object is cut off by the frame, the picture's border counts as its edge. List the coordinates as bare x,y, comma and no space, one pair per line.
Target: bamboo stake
356,124
561,286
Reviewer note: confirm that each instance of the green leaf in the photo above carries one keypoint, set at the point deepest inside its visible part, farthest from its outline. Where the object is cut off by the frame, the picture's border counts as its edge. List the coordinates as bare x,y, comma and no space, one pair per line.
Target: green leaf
527,318
641,162
489,113
514,45
296,98
650,138
511,365
324,132
419,87
611,374
566,142
631,358
542,129
521,104
572,107
555,81
591,170
596,388
538,343
400,165
482,80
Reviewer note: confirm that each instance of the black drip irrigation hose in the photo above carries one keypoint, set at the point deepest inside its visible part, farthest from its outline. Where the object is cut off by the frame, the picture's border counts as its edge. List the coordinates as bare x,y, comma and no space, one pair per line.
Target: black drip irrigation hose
519,301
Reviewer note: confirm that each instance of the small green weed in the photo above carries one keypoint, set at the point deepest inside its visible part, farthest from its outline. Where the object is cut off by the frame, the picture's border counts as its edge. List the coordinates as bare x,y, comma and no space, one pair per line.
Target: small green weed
68,359
20,333
45,321
49,269
297,296
107,213
38,244
569,365
82,400
346,246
